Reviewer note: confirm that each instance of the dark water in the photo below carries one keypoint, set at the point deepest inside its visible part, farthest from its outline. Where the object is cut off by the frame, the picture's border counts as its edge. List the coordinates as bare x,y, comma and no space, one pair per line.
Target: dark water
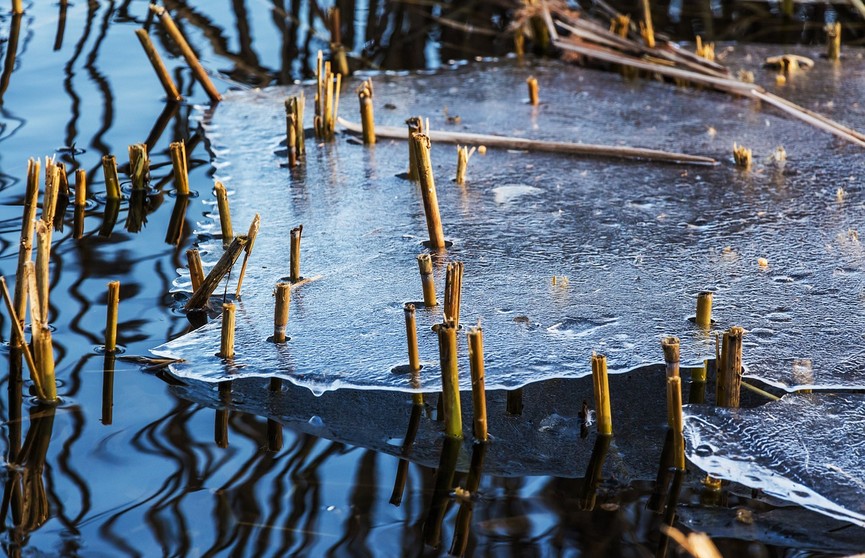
130,464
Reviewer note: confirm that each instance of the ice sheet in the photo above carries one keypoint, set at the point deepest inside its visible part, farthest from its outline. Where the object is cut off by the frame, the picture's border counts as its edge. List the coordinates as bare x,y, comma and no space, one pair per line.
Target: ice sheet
808,449
637,241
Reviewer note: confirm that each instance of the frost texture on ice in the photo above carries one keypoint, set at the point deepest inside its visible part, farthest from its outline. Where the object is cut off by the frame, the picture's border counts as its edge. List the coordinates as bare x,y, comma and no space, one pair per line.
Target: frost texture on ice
808,449
637,241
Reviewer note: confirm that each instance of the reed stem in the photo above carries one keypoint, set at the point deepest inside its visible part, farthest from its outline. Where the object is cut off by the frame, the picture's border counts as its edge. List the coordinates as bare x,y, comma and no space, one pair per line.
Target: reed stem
291,139
532,83
729,373
17,7
224,213
108,389
139,166
463,156
171,91
328,86
18,333
111,316
602,395
25,249
196,269
670,346
411,338
833,41
80,187
365,96
179,164
704,310
428,190
648,30
453,292
52,190
112,182
479,398
201,295
280,314
251,235
424,262
226,340
674,414
43,349
415,126
447,335
294,253
294,106
43,259
187,52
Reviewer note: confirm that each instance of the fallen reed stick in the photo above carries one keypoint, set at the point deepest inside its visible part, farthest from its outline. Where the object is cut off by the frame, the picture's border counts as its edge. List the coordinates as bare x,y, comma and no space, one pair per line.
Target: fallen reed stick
479,398
504,142
281,310
428,190
196,269
177,150
226,339
25,247
424,262
171,91
294,253
447,336
251,235
111,316
367,119
602,395
729,369
453,292
187,52
201,295
704,310
18,333
224,213
112,182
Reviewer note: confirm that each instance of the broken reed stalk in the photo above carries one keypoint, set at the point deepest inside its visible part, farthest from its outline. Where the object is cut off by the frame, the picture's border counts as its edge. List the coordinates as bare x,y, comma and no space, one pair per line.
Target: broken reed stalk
729,369
670,346
291,139
251,235
833,41
424,262
328,86
52,189
18,333
463,156
112,182
224,213
294,254
196,269
43,347
453,292
171,91
411,338
177,149
646,27
447,334
43,259
704,310
226,339
111,316
415,126
479,398
201,295
280,314
294,106
191,59
532,83
742,156
674,415
80,187
61,197
602,395
25,247
428,190
139,166
365,96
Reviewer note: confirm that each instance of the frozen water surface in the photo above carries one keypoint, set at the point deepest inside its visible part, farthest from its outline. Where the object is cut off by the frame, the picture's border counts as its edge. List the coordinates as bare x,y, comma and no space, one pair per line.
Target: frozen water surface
808,449
636,240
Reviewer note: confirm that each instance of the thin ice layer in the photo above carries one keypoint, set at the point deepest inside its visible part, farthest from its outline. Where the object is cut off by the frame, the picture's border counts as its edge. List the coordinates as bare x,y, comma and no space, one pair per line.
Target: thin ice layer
808,449
636,240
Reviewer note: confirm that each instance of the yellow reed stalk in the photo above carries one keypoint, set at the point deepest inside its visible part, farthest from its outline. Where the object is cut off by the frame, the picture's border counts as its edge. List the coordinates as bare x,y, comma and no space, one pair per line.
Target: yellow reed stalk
704,309
112,182
52,189
294,254
226,339
251,235
139,166
674,414
280,314
453,291
479,398
729,370
18,333
602,395
43,348
177,149
80,187
646,27
365,96
291,139
428,190
411,338
111,316
415,126
17,7
833,41
196,269
742,156
43,259
447,335
295,106
424,262
705,50
168,85
328,86
463,156
25,247
191,59
620,25
532,83
201,295
670,346
224,213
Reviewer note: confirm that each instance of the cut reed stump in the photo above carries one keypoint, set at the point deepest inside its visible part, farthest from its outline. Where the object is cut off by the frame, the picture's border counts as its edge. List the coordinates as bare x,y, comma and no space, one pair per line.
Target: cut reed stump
413,352
742,156
479,398
423,164
224,213
447,336
415,126
112,182
453,292
424,262
171,91
226,339
294,253
602,395
532,84
704,310
833,41
729,373
179,164
196,269
111,316
367,119
328,86
25,248
280,314
80,203
670,346
674,414
294,125
463,156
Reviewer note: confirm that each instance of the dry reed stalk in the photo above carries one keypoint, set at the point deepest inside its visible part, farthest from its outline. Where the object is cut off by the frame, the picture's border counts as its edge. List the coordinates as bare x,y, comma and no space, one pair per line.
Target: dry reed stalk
532,83
111,316
80,187
447,335
602,395
196,269
294,253
226,339
705,50
17,7
365,96
25,247
646,27
670,346
139,166
328,86
43,260
294,106
251,235
43,347
479,398
108,389
291,139
704,310
18,333
833,41
112,182
453,291
411,338
729,369
280,314
187,52
742,156
201,295
171,91
674,415
52,189
463,156
224,213
337,49
424,262
428,190
179,164
504,142
415,126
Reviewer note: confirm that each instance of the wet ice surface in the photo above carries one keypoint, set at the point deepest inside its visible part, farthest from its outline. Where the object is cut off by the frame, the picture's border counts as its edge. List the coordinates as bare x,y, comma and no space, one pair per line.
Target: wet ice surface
808,449
636,240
